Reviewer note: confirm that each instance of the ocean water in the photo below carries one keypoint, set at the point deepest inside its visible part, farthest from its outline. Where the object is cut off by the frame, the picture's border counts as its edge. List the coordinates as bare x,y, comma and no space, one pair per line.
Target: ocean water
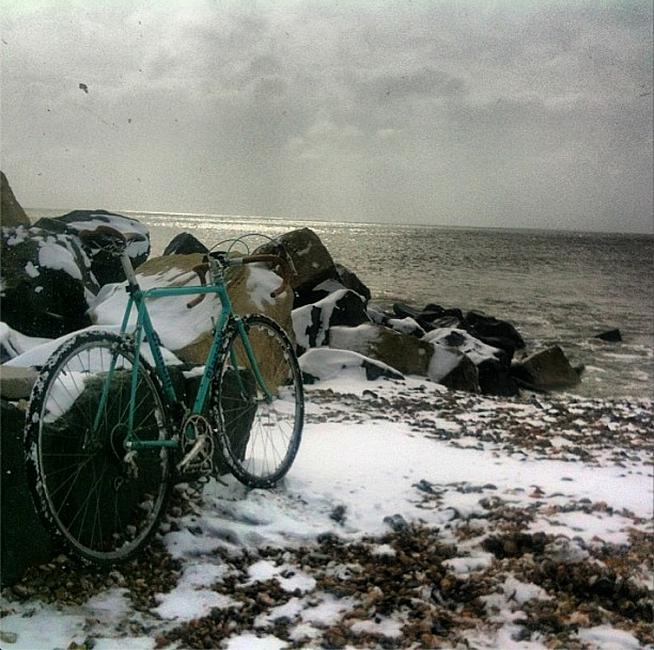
556,287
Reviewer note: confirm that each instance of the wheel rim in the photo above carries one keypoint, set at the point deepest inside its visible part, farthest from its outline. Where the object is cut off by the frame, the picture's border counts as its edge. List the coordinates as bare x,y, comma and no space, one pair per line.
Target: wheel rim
98,502
260,433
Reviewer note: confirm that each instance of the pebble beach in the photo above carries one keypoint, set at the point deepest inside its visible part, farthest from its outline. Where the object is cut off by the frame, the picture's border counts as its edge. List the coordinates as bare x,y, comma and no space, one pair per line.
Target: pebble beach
414,517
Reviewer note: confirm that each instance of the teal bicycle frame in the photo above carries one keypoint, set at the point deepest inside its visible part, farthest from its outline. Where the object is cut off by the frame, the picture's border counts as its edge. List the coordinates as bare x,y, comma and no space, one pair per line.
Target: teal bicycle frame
144,327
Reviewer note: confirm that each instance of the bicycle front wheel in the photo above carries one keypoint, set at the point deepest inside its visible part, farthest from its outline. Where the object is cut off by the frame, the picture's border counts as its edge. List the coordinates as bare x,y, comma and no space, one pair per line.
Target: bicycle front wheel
94,499
259,412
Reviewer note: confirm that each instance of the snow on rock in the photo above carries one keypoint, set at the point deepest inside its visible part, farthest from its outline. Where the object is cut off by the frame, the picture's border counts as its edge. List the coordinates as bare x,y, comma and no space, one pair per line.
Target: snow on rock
138,246
380,625
13,343
312,322
31,270
186,603
176,324
328,610
57,257
404,353
327,363
459,341
464,565
108,608
442,362
608,527
189,332
124,643
406,325
521,592
260,284
38,351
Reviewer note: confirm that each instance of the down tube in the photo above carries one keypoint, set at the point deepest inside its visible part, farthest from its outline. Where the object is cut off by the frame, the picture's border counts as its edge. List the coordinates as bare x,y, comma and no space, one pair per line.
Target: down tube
153,342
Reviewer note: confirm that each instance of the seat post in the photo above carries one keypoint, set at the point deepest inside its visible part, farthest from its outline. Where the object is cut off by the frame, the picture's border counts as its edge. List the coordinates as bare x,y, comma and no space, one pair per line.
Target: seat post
128,269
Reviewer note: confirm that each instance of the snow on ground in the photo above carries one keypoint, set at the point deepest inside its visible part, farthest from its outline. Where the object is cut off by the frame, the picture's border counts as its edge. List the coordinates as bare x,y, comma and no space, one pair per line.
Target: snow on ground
412,517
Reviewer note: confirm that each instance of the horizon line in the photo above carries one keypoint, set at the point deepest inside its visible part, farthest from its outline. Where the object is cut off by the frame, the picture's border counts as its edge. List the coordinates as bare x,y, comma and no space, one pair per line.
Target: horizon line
354,223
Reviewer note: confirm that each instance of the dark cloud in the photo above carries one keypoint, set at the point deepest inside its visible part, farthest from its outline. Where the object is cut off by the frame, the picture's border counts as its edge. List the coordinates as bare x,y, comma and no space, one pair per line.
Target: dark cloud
523,114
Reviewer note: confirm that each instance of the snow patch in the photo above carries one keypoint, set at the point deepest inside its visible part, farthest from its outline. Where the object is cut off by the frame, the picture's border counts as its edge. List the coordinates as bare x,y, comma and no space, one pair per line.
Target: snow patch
31,270
606,637
59,258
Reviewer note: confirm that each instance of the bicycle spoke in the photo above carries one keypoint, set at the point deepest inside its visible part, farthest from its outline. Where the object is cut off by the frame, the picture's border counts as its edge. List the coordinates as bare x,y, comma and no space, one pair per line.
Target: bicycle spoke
99,509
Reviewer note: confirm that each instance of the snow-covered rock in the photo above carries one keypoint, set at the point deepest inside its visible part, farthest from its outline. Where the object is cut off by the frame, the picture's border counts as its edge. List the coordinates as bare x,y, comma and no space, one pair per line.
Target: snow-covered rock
188,332
351,280
312,323
492,364
327,363
13,343
106,267
47,282
454,370
406,325
497,333
459,341
311,260
403,352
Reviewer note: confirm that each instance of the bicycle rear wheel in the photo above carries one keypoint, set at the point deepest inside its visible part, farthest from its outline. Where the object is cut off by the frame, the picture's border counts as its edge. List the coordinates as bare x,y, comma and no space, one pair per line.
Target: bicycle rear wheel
93,501
258,434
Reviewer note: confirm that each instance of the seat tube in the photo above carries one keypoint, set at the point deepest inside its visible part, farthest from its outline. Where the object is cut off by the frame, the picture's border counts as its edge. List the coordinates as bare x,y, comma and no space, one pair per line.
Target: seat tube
128,269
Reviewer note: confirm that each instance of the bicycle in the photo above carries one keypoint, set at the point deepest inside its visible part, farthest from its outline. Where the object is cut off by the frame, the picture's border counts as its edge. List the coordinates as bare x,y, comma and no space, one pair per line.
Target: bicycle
107,434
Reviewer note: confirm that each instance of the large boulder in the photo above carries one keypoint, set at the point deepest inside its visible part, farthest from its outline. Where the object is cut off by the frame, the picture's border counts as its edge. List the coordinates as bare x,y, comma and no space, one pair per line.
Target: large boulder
495,378
498,333
546,370
457,340
450,367
189,332
312,261
464,376
346,280
24,541
47,283
105,266
11,212
492,364
430,317
311,323
403,352
351,280
185,244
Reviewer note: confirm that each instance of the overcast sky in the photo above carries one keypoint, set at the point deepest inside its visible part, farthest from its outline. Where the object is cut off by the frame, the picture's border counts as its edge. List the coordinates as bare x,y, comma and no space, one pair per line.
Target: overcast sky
518,114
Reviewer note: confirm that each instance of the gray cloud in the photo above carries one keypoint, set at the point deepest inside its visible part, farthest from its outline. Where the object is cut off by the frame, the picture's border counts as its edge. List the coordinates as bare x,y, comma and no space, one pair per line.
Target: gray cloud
470,113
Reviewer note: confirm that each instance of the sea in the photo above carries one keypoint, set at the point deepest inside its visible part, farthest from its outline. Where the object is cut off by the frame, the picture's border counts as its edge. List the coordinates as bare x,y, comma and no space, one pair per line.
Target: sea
557,288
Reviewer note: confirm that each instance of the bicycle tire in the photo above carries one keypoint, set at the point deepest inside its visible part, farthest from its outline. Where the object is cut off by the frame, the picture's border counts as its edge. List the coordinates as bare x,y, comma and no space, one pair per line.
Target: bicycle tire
258,440
93,502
